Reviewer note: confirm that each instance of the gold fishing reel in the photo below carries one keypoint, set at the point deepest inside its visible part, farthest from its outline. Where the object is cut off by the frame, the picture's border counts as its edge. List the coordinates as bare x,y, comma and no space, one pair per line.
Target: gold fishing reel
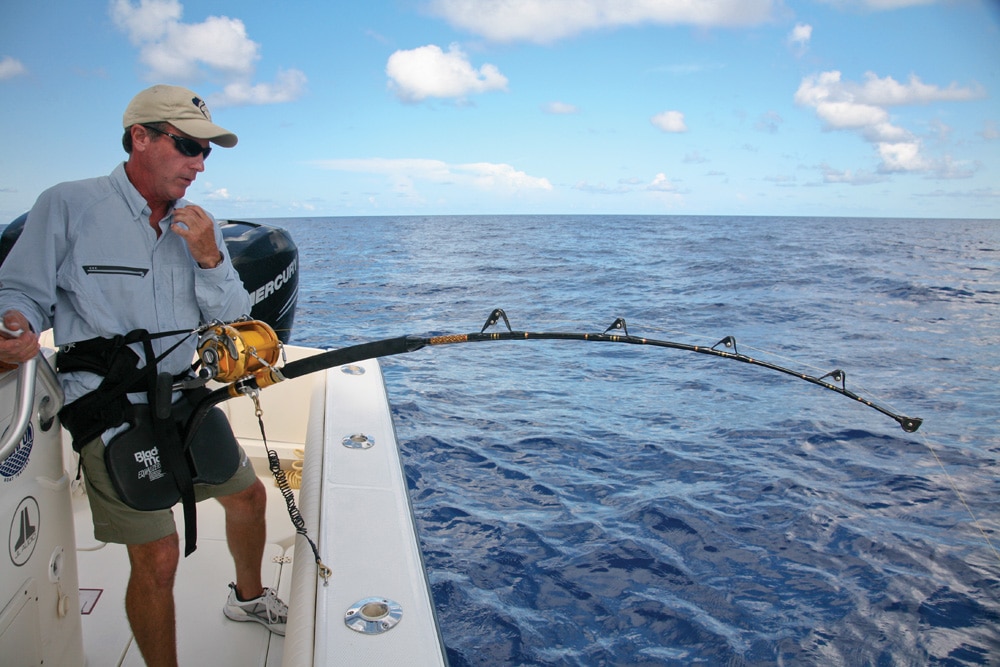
235,350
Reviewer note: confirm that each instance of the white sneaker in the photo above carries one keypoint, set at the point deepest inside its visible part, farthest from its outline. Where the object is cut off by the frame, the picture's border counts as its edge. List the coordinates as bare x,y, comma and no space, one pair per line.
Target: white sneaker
268,610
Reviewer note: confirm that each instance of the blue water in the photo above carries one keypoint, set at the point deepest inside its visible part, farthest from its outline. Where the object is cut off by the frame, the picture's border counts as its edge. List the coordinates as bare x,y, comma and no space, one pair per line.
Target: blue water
600,504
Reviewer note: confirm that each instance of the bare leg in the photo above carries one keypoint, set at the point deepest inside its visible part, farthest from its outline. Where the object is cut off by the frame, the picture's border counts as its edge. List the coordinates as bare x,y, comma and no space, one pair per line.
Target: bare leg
149,599
246,532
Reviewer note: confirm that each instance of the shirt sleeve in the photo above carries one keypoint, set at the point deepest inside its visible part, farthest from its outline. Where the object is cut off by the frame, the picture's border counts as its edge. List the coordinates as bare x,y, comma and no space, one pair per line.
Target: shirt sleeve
220,291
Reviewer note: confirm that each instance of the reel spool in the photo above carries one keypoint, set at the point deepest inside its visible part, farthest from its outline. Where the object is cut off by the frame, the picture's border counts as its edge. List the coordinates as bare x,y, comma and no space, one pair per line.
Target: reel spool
238,349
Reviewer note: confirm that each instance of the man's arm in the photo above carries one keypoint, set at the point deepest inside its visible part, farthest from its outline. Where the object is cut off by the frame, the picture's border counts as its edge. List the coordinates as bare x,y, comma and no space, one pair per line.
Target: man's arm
218,287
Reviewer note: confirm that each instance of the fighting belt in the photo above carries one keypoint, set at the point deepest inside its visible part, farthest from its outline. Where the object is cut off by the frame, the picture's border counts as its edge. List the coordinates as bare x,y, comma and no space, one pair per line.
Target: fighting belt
155,462
152,471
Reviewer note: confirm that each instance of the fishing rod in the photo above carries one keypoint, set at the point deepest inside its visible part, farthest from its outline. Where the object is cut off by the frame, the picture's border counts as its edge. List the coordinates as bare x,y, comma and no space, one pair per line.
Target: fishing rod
235,356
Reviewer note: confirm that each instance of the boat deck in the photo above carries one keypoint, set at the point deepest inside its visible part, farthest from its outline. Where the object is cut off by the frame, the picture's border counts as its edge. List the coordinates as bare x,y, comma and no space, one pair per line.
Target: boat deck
355,506
204,635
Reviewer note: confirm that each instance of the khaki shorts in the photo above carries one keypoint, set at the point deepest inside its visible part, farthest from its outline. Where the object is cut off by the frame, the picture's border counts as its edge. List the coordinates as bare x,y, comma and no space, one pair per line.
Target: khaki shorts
114,521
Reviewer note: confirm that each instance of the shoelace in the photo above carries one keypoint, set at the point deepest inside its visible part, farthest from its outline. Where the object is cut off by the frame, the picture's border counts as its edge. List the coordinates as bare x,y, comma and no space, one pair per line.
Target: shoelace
275,608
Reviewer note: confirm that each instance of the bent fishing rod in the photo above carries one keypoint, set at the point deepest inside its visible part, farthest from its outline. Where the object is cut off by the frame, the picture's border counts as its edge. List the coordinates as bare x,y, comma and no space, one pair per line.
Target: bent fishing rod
243,355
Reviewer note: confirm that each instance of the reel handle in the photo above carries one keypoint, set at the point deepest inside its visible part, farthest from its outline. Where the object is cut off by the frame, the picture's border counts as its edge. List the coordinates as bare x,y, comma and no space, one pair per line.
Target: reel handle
238,349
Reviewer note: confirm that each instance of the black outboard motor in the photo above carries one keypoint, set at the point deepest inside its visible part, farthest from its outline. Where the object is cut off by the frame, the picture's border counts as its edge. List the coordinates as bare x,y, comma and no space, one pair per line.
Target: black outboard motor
10,234
265,257
268,262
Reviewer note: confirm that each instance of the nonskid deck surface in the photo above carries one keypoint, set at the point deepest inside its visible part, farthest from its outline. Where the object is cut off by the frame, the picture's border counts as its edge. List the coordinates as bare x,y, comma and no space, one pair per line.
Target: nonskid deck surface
204,635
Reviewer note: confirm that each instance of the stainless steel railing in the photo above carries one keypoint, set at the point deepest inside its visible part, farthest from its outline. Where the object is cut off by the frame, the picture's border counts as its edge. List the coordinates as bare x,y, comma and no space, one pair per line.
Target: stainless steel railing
28,375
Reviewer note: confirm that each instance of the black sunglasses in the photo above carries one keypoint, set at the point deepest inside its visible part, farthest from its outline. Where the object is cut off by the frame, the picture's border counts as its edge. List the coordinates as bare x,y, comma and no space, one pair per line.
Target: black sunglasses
186,147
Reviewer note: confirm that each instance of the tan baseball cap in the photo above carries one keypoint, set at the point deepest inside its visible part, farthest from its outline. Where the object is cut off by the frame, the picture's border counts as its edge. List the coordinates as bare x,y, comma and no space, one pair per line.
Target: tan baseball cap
181,108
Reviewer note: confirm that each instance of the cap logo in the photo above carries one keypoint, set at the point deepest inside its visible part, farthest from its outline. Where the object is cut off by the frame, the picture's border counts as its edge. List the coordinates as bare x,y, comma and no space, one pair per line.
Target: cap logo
202,107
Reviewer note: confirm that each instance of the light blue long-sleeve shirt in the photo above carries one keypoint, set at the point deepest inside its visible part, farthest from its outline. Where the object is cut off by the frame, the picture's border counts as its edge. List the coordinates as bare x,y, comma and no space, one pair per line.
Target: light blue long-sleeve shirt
88,264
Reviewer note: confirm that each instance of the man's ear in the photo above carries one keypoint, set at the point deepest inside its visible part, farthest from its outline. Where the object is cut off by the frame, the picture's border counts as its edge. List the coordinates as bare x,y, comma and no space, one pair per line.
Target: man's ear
140,137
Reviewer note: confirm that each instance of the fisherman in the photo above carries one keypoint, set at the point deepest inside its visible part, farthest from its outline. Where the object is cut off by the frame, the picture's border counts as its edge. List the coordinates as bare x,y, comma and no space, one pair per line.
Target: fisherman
103,261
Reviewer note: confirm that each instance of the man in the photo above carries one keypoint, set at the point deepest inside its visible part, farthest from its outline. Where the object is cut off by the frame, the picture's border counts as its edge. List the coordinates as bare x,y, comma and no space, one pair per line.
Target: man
103,257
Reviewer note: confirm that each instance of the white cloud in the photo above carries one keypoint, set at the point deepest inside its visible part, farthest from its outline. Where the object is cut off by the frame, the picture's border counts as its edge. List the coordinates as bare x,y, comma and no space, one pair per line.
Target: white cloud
405,171
990,131
851,115
489,176
602,188
669,121
799,37
769,122
662,184
560,108
949,168
149,21
287,88
427,71
217,48
861,107
850,177
828,86
545,21
902,156
175,50
11,67
879,5
222,194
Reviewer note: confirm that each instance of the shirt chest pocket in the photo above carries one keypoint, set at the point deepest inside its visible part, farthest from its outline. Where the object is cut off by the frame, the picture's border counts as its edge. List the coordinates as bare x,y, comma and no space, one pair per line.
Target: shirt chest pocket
116,283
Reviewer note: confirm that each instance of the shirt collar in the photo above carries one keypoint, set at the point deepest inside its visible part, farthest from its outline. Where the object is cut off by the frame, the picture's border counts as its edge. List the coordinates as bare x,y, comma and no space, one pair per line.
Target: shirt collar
135,201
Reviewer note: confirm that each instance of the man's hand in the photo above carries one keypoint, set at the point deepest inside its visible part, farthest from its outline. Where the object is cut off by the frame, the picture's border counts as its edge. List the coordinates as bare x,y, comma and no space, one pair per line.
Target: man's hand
193,225
18,343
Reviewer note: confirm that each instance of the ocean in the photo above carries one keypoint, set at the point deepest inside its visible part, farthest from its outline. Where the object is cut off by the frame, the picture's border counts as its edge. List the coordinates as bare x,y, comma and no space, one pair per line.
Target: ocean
597,504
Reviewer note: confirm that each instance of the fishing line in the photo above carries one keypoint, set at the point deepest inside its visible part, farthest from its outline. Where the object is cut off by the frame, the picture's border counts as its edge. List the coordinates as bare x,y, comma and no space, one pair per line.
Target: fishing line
926,442
961,498
859,388
285,487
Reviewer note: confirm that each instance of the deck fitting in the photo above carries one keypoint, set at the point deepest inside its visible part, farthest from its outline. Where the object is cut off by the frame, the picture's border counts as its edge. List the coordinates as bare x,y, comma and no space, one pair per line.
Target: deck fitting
358,441
373,616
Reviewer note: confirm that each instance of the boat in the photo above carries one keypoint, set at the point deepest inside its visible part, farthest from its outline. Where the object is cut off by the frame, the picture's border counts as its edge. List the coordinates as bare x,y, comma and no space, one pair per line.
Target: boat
62,592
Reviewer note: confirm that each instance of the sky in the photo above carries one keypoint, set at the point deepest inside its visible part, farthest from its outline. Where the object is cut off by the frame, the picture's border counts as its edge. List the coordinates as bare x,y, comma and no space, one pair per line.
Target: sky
872,108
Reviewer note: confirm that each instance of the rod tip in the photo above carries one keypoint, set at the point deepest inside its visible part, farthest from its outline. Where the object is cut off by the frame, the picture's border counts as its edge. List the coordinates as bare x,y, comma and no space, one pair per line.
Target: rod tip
910,424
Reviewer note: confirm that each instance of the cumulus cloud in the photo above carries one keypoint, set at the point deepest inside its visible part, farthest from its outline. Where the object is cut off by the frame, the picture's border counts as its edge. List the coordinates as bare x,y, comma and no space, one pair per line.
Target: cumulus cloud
799,37
862,108
545,21
661,184
11,67
427,71
669,121
482,175
218,48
